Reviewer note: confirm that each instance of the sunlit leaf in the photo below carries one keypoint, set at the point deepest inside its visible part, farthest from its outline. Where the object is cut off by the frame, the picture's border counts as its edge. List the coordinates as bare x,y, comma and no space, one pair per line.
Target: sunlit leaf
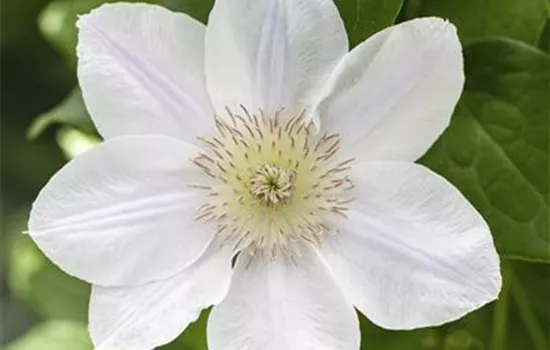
73,142
54,335
44,288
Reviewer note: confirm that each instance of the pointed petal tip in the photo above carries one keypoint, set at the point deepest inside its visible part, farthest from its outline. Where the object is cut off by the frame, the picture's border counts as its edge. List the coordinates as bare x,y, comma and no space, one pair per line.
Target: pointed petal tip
94,218
424,258
402,105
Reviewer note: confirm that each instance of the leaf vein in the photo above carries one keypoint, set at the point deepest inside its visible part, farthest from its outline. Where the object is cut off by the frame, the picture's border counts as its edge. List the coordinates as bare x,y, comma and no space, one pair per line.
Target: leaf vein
504,154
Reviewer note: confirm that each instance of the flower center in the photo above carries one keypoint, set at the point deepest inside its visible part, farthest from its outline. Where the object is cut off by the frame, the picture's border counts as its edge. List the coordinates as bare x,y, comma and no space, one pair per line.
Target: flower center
274,182
272,185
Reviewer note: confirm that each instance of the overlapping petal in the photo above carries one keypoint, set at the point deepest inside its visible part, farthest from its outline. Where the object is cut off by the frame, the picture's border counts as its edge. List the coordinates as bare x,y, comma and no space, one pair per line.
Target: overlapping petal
122,213
392,96
281,305
271,54
141,70
147,316
413,252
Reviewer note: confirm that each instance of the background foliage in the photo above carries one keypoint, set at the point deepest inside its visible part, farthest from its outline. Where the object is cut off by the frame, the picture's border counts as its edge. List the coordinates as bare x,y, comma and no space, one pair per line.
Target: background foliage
496,151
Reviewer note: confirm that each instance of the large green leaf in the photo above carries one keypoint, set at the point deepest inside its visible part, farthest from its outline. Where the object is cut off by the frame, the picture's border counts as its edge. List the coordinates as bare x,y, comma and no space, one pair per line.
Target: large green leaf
54,335
477,19
496,150
366,17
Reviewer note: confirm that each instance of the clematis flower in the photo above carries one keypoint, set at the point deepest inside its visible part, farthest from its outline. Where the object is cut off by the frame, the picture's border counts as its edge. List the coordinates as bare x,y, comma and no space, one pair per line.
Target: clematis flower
260,139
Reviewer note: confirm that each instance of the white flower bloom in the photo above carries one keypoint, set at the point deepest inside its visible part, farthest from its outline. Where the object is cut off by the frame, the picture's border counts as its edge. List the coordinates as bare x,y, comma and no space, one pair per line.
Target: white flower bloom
306,174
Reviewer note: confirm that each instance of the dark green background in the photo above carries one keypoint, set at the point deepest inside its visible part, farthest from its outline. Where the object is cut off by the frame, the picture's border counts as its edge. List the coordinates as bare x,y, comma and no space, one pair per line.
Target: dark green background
496,152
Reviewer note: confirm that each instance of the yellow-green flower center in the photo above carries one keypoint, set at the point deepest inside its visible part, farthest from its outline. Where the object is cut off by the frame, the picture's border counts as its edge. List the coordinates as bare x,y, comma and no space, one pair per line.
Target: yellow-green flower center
274,182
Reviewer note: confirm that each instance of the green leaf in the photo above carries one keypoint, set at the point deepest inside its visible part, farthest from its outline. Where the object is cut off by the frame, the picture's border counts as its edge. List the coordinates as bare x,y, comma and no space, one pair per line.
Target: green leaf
193,338
44,288
54,335
71,111
198,9
496,150
366,17
530,318
544,42
374,337
479,19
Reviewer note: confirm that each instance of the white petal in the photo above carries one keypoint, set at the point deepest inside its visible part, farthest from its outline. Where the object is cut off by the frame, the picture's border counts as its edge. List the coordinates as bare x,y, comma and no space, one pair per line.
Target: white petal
393,95
413,252
123,212
271,53
279,305
144,317
141,69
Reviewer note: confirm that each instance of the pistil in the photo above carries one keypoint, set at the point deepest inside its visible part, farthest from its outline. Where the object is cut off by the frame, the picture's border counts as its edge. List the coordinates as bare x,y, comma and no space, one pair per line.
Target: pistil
272,185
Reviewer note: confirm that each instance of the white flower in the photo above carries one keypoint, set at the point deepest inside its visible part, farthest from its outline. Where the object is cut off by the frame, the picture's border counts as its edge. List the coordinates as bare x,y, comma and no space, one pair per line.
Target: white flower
306,174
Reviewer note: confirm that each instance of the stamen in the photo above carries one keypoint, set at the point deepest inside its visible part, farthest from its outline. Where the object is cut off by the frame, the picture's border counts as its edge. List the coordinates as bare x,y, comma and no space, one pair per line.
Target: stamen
275,182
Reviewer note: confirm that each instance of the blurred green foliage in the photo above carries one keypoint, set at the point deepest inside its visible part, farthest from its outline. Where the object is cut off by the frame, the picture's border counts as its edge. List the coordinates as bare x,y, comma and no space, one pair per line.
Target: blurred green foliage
54,335
496,151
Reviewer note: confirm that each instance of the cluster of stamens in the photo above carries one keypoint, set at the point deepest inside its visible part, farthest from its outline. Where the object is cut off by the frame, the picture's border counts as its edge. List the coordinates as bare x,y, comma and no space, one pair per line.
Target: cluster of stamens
275,182
272,185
